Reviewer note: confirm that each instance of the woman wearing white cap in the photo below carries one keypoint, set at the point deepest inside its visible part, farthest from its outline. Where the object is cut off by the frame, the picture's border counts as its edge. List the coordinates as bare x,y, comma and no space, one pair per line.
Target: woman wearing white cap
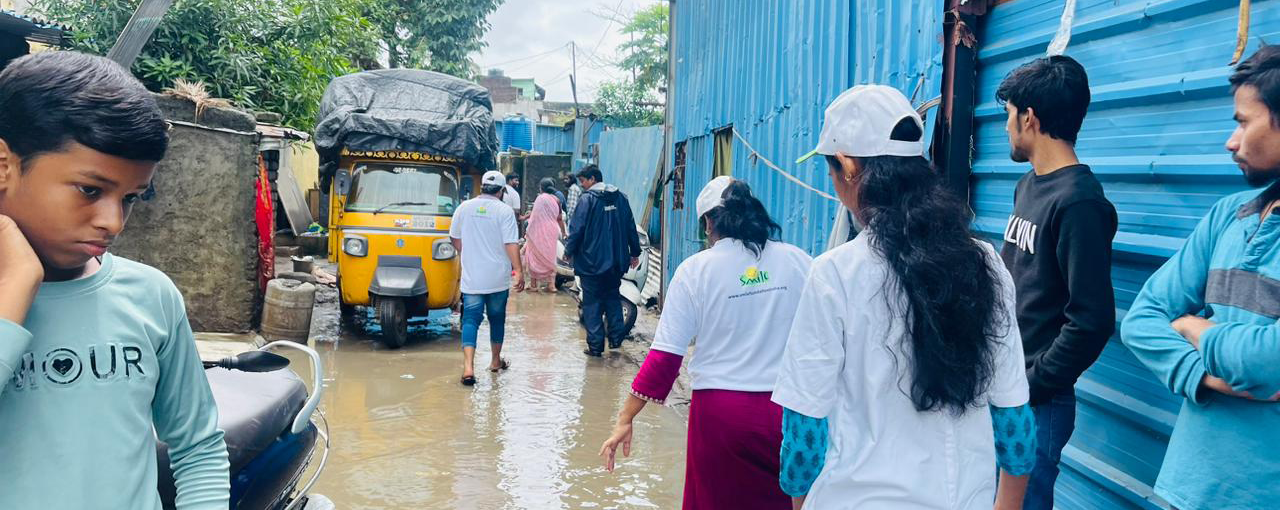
904,355
737,298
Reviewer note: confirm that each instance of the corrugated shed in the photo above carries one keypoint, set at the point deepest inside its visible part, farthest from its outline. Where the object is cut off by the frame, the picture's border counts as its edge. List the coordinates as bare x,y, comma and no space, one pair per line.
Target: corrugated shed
551,139
629,160
586,133
547,138
33,28
771,81
1154,135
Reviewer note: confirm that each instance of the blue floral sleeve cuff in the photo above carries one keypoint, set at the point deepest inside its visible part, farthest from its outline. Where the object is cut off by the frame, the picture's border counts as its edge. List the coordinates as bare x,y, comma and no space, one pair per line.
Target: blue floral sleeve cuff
804,450
1015,437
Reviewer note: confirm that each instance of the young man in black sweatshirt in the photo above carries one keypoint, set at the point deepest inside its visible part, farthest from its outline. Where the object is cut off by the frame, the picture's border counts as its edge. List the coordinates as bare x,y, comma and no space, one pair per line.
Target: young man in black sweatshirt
1058,249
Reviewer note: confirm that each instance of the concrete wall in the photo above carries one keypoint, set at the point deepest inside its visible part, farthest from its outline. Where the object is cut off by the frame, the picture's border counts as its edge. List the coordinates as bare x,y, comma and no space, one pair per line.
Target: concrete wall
199,228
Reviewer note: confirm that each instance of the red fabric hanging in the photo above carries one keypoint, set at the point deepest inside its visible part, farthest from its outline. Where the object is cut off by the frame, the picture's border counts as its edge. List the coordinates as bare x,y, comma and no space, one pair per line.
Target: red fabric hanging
265,217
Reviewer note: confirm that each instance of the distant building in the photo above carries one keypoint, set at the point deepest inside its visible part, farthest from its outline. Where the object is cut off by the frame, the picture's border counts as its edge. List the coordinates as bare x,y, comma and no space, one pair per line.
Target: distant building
523,96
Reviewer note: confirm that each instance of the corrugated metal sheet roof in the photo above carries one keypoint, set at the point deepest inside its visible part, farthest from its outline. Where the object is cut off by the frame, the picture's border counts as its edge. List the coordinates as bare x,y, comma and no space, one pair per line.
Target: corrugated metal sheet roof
772,79
1154,135
32,28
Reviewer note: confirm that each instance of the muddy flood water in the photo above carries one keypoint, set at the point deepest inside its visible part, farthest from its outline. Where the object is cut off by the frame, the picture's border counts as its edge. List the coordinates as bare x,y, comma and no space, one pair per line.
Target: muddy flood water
406,434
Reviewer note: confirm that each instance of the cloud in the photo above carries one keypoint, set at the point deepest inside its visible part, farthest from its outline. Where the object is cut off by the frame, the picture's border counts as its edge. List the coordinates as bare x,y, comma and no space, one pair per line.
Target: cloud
531,38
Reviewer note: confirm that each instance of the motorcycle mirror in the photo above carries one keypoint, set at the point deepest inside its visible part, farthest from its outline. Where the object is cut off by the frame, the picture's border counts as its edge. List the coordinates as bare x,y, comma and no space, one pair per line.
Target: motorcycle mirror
254,361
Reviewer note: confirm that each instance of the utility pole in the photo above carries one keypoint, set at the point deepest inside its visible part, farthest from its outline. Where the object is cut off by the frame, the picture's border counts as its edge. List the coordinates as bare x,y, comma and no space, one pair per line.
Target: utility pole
573,77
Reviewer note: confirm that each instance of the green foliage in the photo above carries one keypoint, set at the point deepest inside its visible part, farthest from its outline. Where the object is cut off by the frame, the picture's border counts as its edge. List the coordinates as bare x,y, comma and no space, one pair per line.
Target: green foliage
629,102
646,52
619,104
279,55
431,34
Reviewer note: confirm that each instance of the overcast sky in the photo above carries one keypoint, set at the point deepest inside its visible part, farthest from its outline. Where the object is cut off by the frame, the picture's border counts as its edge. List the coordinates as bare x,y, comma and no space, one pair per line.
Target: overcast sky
530,39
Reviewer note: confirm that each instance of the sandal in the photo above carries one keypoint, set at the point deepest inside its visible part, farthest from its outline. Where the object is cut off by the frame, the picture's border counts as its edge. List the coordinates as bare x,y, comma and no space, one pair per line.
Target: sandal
502,365
468,380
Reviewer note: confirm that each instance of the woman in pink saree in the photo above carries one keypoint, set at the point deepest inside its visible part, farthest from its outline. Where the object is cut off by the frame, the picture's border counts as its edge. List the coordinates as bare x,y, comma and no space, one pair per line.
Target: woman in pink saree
546,226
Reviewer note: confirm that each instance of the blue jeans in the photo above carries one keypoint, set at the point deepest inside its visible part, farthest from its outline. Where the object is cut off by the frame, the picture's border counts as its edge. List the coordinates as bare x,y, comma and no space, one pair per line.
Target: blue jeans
1055,421
475,307
601,302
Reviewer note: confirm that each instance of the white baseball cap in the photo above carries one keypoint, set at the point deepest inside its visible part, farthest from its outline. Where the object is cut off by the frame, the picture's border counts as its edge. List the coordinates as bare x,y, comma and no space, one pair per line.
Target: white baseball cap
712,195
859,122
493,178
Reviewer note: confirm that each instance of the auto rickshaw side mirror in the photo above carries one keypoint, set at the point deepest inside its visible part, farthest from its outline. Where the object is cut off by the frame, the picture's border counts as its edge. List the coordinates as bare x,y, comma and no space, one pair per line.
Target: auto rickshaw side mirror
343,181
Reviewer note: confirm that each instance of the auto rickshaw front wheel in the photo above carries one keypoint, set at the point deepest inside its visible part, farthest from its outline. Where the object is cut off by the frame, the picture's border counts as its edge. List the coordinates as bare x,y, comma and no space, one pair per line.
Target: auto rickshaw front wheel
394,320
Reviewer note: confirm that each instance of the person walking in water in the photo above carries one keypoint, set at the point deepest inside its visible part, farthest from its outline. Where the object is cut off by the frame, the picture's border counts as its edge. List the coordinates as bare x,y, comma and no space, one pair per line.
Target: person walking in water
488,242
737,298
602,245
546,227
904,356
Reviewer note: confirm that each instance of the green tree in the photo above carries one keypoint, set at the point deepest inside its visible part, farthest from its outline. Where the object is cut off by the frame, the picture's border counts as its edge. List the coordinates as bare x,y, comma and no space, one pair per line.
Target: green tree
432,34
632,101
270,55
645,53
626,104
279,55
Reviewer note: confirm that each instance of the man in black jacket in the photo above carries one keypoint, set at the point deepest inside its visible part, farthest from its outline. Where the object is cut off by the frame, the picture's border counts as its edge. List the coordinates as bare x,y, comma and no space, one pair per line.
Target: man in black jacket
602,244
1058,249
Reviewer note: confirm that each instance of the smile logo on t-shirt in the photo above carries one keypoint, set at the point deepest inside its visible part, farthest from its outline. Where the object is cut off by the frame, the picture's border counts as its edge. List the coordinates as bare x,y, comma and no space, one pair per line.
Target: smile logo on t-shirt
753,276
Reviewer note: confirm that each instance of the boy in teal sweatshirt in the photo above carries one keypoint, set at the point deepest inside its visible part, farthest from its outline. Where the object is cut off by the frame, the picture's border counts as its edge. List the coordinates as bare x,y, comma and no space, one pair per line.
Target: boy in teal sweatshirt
97,360
1206,323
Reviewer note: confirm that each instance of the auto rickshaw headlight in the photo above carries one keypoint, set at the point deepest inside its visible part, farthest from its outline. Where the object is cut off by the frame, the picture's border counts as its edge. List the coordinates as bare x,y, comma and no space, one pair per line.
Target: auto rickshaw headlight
443,249
355,246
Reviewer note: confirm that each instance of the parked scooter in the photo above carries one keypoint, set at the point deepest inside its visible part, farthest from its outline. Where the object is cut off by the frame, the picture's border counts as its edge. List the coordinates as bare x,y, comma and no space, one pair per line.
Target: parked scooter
266,416
632,288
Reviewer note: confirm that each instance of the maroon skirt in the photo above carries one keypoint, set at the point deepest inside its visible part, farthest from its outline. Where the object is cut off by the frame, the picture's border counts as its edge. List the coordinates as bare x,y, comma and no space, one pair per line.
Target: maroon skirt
734,439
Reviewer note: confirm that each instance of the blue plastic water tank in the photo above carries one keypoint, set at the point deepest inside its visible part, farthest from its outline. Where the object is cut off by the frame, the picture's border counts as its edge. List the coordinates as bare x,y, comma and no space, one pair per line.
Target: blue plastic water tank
517,132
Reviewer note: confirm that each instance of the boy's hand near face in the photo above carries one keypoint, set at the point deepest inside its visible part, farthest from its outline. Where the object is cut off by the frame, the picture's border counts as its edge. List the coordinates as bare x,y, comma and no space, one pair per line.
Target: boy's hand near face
20,272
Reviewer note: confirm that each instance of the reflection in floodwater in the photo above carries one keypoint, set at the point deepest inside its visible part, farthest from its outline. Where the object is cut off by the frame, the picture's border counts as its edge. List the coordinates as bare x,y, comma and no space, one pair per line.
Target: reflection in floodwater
406,434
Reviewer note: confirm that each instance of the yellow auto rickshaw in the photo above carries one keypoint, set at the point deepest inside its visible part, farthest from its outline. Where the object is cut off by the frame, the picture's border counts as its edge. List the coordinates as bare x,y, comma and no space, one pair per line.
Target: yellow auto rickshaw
389,233
400,149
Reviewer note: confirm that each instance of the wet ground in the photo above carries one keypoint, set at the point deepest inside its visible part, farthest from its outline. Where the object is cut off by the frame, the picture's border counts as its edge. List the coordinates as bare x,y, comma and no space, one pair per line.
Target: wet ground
406,434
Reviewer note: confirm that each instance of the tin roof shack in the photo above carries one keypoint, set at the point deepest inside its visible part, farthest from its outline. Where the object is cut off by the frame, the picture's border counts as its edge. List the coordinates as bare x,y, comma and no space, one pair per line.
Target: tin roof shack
19,31
199,227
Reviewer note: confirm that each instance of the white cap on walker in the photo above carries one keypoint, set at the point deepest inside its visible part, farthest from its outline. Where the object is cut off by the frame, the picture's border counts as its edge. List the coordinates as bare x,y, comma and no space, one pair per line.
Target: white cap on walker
712,195
860,121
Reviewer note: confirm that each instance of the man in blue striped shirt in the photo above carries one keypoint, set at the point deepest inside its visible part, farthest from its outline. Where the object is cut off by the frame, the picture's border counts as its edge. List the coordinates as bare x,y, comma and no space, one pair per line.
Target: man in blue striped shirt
1206,322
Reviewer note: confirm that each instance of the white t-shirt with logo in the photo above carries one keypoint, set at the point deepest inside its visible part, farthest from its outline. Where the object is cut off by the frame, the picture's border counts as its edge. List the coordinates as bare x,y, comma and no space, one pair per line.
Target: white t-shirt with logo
739,307
485,225
846,360
512,198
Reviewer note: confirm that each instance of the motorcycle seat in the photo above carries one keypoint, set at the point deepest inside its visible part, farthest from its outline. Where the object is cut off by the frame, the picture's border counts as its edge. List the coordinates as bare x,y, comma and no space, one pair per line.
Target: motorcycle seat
253,410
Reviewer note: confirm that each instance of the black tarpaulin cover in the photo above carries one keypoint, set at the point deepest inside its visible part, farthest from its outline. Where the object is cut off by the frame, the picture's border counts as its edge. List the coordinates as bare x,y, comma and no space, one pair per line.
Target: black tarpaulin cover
407,110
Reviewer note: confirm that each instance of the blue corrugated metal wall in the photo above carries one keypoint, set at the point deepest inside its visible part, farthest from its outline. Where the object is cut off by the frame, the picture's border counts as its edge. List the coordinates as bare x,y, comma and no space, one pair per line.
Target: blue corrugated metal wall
551,139
771,81
629,160
547,138
1160,115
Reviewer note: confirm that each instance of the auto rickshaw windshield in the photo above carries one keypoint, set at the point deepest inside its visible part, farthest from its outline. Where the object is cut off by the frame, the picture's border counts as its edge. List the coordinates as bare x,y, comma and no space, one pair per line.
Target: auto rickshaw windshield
403,189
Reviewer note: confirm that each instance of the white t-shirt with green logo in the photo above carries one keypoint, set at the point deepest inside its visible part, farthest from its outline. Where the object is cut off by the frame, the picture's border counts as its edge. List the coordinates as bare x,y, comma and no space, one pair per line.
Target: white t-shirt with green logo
485,225
739,308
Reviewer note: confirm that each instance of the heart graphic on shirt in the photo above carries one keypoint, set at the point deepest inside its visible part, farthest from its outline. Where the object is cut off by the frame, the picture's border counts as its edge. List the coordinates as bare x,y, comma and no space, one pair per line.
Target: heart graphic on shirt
63,365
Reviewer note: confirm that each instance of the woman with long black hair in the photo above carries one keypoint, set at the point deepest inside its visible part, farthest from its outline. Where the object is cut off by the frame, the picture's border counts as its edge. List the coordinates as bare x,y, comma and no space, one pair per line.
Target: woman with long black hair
737,298
904,355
